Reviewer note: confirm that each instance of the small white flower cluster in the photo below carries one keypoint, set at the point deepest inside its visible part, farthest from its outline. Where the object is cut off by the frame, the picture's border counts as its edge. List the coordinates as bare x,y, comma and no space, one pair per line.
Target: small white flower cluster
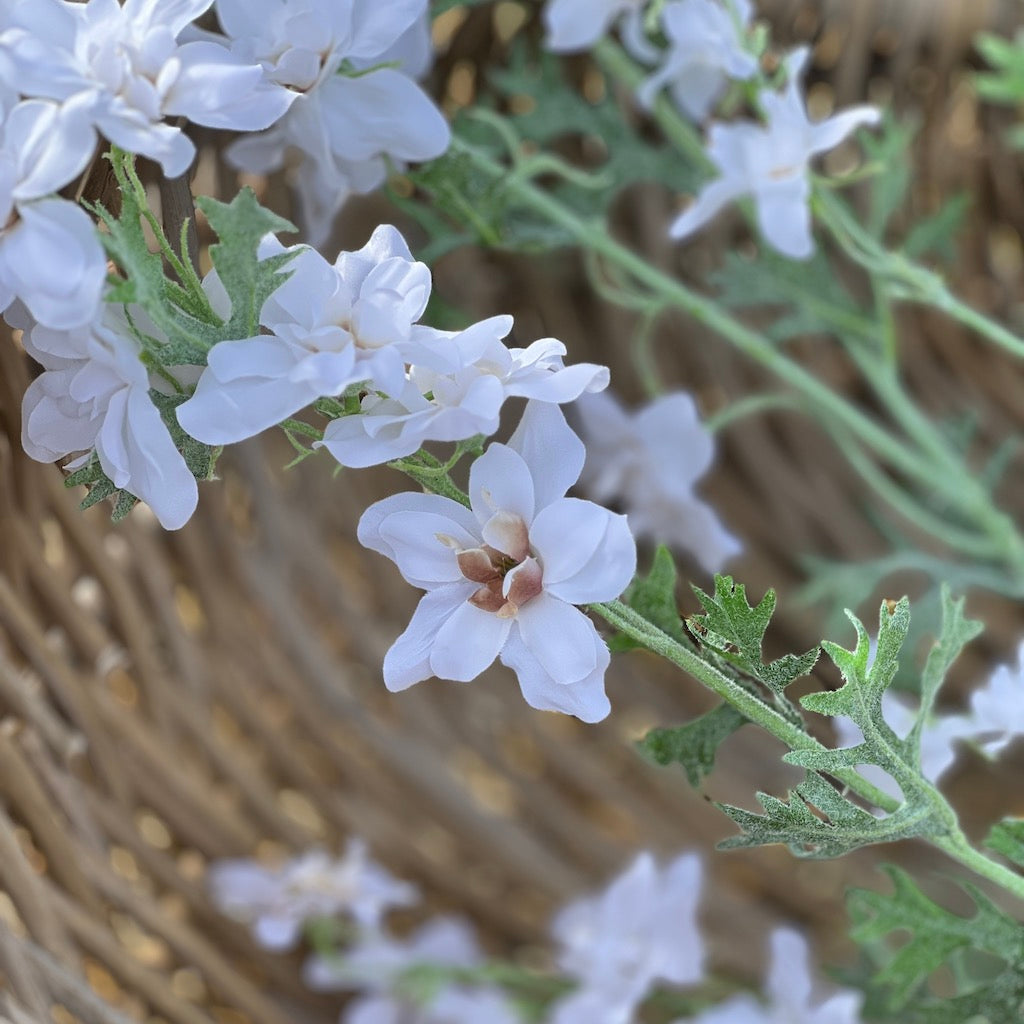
616,947
994,719
351,68
650,460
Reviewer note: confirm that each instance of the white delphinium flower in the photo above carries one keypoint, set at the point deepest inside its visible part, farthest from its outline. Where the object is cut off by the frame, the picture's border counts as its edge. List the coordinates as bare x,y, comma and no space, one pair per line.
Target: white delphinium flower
642,929
939,736
996,715
353,67
705,51
578,24
95,395
650,460
503,576
125,66
789,989
330,326
464,399
277,902
50,253
376,967
770,162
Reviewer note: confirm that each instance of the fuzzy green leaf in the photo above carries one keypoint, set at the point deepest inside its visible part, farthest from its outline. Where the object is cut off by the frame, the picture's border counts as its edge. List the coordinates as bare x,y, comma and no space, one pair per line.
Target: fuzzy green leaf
695,744
249,281
654,597
936,934
1007,838
735,630
819,822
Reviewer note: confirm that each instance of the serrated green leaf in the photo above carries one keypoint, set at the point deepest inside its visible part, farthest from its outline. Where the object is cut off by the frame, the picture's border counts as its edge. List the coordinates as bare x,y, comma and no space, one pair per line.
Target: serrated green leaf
889,148
654,597
819,822
735,630
935,935
957,631
249,281
695,744
810,292
1007,838
936,235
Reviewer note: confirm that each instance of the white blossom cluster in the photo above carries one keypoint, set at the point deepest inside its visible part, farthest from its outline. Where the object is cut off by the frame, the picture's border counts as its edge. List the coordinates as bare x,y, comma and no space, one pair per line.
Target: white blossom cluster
615,947
709,46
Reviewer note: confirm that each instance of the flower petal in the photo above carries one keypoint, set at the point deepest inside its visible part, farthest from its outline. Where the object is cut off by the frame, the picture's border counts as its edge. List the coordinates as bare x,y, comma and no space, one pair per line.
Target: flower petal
588,553
553,453
468,642
408,660
501,481
784,216
585,698
561,638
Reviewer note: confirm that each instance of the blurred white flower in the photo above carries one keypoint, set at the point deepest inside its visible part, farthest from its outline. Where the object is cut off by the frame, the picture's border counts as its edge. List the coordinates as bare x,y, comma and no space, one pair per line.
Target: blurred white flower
50,252
650,460
277,902
705,51
789,989
128,72
996,715
94,394
376,967
503,577
476,373
330,326
579,24
353,66
770,162
642,929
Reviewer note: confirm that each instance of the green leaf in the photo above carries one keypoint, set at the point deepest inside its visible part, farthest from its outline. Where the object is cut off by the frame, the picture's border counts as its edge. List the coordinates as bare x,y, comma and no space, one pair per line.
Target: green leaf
1007,838
695,744
819,822
654,597
810,293
735,630
249,281
936,235
936,934
889,148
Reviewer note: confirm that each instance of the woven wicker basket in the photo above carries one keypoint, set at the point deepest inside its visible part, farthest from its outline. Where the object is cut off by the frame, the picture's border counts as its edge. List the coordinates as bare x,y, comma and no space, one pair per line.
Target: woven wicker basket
166,700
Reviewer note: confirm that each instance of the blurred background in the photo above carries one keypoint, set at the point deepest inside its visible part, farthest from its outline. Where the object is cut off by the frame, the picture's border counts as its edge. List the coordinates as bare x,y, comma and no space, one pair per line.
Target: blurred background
170,699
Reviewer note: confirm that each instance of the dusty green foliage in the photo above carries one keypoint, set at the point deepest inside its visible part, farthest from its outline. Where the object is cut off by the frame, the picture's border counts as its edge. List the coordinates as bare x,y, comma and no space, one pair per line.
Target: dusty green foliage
695,745
654,597
820,821
936,937
1007,838
735,631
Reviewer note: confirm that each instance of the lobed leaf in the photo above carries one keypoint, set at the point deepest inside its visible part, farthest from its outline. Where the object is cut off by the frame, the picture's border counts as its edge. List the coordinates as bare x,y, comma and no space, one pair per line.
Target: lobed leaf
694,745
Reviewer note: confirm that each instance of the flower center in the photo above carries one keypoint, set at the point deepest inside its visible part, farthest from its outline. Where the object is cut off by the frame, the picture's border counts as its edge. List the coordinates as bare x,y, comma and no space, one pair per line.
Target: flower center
507,581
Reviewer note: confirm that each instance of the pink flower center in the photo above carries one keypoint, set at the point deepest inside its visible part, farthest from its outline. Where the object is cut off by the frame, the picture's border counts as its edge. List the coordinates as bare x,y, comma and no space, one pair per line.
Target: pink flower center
507,580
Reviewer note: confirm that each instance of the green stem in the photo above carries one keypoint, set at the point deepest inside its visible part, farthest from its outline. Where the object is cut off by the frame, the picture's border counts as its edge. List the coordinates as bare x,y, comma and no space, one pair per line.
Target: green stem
954,843
634,625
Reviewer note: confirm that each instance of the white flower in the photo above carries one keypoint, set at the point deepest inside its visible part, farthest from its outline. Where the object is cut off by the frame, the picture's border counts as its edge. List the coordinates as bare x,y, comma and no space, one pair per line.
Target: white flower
124,64
465,396
503,576
996,714
330,326
50,253
95,394
377,964
705,50
650,460
770,162
277,902
355,108
789,990
642,929
579,24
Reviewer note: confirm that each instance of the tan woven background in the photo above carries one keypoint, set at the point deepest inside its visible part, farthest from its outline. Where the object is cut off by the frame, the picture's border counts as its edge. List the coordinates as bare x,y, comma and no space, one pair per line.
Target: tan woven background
166,700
